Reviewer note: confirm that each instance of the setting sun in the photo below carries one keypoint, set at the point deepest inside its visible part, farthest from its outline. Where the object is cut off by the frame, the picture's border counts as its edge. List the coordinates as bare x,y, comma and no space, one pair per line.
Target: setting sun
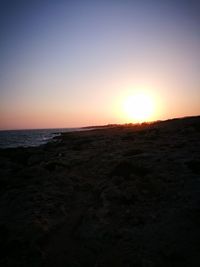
139,107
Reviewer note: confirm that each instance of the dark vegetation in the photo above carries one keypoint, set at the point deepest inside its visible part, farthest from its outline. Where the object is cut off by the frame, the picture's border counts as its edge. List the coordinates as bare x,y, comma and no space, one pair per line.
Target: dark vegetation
114,196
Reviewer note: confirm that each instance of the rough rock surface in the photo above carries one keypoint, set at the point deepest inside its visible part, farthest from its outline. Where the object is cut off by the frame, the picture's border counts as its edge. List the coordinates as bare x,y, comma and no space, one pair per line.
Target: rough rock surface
118,196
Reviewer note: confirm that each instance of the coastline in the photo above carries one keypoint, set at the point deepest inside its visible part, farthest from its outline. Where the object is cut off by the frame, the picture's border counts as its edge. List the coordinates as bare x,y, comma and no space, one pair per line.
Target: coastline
31,137
126,195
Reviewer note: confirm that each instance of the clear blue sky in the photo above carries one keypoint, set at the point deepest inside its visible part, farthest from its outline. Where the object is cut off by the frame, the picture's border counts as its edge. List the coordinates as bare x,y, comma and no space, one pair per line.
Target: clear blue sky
70,63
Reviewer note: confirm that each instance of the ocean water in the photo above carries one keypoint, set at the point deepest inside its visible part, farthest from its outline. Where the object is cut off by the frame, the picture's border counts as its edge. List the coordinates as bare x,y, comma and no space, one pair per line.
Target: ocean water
27,138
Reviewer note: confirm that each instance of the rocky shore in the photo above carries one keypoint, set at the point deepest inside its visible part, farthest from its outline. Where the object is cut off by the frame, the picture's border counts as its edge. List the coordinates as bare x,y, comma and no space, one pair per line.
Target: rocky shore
119,196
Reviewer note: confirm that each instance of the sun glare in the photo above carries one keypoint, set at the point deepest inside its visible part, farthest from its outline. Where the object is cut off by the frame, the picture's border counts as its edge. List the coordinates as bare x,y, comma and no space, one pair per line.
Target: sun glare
139,107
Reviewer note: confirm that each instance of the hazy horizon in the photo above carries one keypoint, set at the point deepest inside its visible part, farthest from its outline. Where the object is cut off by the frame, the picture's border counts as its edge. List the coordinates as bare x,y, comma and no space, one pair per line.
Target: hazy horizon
101,125
71,64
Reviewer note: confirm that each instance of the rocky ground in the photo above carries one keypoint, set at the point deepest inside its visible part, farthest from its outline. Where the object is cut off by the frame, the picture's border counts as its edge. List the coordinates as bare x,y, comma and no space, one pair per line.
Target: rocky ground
118,196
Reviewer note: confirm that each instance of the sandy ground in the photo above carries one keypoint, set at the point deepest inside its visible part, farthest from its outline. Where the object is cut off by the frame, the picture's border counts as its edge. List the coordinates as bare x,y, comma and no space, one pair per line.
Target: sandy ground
118,196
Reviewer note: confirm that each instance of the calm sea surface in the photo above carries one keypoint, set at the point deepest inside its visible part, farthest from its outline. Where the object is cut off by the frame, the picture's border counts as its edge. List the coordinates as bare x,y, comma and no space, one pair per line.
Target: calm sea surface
27,138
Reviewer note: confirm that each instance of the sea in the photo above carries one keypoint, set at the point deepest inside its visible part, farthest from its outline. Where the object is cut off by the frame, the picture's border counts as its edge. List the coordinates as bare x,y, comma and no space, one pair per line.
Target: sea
30,138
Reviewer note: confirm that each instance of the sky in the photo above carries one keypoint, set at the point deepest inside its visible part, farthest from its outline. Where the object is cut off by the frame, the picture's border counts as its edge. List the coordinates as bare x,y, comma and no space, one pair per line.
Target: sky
73,63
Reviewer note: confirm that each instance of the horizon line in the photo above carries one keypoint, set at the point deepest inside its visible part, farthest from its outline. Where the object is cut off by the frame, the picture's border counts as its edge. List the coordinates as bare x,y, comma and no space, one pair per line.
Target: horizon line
104,125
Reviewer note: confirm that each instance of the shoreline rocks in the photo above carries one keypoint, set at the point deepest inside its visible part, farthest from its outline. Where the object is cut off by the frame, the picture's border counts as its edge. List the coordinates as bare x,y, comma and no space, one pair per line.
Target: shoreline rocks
116,196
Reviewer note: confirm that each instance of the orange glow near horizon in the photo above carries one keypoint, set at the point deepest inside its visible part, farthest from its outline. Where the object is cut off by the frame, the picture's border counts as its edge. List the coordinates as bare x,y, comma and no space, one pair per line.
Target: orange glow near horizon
66,64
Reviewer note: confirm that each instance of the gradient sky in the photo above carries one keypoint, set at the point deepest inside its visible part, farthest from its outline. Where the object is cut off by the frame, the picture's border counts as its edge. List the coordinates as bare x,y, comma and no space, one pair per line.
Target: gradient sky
71,63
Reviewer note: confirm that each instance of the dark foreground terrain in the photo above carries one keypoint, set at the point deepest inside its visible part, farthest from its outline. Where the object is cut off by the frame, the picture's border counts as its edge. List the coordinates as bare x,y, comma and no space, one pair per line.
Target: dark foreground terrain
118,196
